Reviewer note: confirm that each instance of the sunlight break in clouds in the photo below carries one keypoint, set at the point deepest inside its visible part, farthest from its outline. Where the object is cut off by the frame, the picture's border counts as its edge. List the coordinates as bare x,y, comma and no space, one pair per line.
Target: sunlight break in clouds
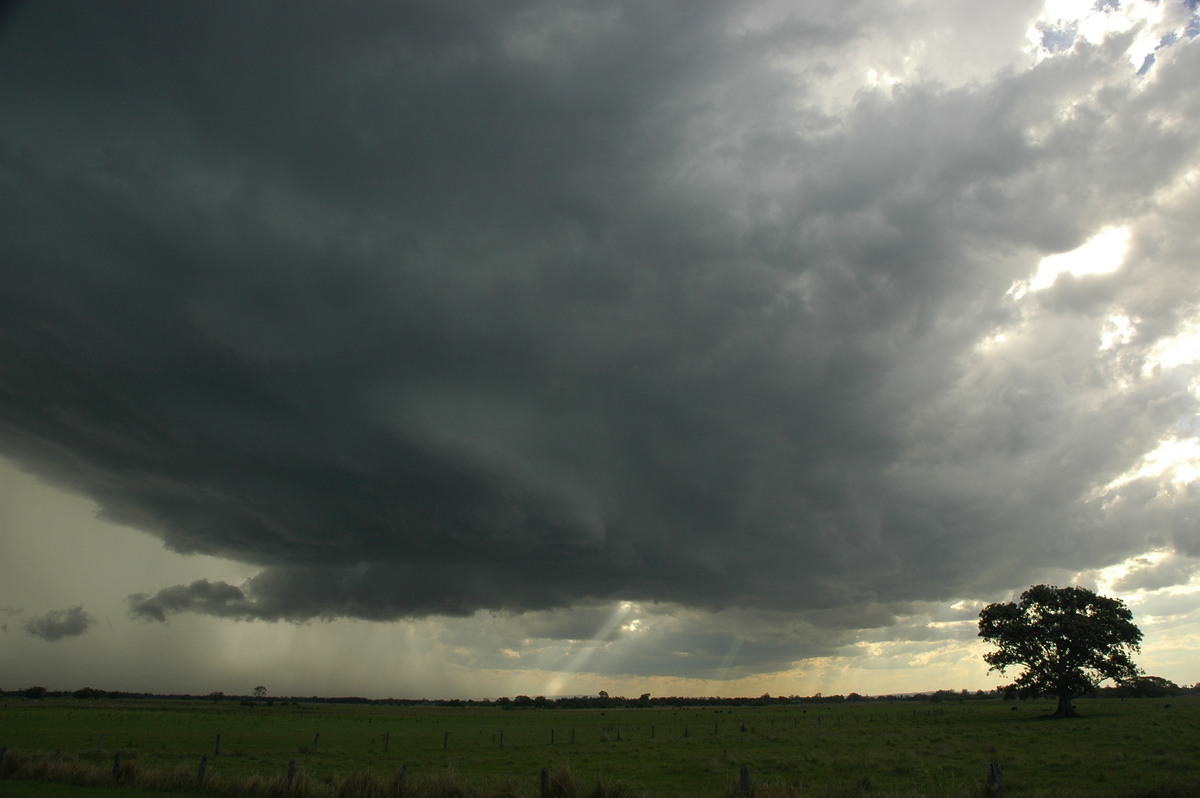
1101,254
1176,462
1062,22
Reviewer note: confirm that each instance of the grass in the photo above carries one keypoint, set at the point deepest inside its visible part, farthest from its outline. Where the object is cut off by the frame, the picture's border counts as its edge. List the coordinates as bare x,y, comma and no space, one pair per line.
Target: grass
1120,748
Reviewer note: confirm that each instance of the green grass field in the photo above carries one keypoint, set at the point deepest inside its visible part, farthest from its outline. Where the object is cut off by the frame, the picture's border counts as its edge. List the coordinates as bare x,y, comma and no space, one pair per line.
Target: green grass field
1120,748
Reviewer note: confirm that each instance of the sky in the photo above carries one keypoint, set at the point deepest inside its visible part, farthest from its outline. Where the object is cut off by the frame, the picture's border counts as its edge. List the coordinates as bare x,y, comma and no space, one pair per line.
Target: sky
468,349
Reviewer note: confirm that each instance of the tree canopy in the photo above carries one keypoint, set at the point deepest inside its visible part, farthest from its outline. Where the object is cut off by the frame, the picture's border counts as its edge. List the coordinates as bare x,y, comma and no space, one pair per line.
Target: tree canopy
1068,639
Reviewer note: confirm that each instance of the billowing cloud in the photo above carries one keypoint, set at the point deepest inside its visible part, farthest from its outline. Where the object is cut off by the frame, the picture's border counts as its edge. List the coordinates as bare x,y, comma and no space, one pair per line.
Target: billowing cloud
57,624
1151,574
424,311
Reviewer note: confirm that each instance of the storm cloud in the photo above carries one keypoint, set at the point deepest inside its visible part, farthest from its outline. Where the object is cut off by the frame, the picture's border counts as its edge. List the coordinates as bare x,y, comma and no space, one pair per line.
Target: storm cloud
439,308
57,624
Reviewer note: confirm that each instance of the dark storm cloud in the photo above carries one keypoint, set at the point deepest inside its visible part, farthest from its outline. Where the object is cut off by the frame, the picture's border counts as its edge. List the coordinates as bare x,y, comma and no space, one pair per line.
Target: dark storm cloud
433,308
57,624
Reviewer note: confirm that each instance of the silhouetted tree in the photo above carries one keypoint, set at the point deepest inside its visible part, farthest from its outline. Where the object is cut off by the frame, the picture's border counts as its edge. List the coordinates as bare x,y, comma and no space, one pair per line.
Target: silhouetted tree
1068,639
1150,687
260,692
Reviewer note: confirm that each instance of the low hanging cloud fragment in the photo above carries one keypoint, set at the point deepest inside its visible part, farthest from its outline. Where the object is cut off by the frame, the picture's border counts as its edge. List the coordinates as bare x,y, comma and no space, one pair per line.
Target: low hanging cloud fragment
60,624
202,596
424,312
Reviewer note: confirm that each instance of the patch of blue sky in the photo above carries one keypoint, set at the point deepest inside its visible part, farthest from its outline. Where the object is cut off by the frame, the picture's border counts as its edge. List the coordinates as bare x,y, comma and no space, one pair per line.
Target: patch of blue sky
1189,32
1058,38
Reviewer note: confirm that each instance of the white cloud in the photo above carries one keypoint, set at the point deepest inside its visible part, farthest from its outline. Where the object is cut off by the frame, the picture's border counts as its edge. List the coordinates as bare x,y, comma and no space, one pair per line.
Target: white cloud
1103,253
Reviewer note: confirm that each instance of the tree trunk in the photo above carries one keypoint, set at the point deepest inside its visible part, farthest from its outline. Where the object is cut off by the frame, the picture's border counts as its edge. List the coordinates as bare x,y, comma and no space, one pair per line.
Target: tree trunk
1065,708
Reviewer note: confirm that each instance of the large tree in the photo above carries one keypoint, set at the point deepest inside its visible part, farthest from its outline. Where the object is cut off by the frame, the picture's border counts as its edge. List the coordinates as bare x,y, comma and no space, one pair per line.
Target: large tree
1069,639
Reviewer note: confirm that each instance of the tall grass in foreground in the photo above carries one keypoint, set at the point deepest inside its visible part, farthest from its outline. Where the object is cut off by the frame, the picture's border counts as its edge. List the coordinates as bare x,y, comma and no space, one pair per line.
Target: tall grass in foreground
84,771
129,778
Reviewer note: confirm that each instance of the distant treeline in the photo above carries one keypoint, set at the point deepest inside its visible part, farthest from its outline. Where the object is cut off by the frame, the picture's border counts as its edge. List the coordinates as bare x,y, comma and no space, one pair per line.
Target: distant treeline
1142,687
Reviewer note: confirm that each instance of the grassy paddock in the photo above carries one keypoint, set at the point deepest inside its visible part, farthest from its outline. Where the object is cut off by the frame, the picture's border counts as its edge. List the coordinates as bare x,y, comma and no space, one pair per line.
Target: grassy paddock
1120,748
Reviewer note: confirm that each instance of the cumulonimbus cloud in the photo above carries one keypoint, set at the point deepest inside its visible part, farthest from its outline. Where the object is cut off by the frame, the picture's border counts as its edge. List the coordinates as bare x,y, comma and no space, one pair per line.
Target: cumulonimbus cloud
426,314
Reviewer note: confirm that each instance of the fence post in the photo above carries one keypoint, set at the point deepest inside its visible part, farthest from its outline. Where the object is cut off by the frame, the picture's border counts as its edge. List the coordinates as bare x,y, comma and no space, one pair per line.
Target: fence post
117,765
316,739
544,792
744,781
217,747
291,772
203,767
995,783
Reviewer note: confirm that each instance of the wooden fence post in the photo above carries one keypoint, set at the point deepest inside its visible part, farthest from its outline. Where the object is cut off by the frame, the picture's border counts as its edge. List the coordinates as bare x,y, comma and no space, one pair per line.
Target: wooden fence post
203,768
217,747
316,739
995,782
544,792
291,772
445,741
744,781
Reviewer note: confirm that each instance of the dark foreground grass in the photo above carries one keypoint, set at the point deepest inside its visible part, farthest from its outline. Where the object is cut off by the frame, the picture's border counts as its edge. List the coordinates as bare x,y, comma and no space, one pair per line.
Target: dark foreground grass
1125,749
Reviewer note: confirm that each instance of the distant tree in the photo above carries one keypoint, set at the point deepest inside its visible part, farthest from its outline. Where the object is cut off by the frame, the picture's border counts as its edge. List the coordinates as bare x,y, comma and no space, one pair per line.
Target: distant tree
216,695
260,692
1151,687
1067,638
35,692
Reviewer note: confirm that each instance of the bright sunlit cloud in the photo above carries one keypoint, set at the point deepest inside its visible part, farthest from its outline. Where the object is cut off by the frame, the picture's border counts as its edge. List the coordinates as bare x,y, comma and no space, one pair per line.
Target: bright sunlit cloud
1063,22
1101,254
1175,461
1176,350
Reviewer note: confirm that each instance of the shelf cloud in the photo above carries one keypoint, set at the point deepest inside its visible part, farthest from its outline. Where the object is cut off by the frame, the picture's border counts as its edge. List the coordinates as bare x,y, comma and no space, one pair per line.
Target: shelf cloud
437,309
